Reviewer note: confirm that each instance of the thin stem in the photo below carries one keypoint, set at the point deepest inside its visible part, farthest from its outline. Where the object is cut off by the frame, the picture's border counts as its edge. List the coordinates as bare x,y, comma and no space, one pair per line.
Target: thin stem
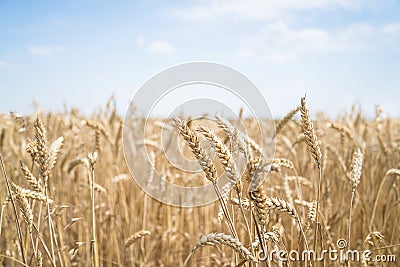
349,230
15,211
245,219
49,218
3,256
44,246
57,246
39,220
376,202
225,210
317,209
261,239
142,240
33,245
93,245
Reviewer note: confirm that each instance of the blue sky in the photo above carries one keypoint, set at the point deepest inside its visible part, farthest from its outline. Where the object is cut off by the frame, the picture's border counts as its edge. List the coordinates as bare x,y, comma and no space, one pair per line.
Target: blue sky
339,52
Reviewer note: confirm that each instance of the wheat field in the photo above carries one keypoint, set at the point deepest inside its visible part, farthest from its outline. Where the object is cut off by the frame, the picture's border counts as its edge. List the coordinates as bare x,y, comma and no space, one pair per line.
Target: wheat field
68,198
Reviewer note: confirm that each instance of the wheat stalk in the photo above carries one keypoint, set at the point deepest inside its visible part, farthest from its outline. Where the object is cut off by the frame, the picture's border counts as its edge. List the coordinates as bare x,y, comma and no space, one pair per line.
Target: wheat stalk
227,161
194,144
23,206
221,238
272,236
313,145
260,174
257,150
312,211
301,180
344,131
130,240
393,172
223,154
285,120
206,164
42,154
281,205
31,148
309,132
98,128
282,162
355,177
258,198
356,168
388,173
245,202
225,192
18,226
252,165
235,136
82,161
35,183
53,152
42,158
36,195
39,259
94,251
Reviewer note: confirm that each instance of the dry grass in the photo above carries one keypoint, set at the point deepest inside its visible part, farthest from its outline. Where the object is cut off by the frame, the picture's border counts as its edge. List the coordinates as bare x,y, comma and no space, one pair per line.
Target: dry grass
76,205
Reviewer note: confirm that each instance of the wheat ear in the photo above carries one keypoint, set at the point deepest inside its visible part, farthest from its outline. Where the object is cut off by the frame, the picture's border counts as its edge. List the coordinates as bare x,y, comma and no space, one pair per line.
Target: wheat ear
312,142
283,162
194,144
281,205
257,150
258,198
356,169
388,173
206,164
39,259
235,137
53,152
285,120
355,177
42,154
223,153
23,206
221,238
31,194
35,183
42,158
18,226
309,132
130,240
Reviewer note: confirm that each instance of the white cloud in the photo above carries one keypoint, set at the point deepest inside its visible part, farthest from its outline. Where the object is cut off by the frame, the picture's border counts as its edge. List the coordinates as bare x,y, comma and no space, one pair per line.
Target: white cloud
260,10
280,36
277,42
246,53
4,65
280,56
391,35
393,28
45,51
161,47
140,40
